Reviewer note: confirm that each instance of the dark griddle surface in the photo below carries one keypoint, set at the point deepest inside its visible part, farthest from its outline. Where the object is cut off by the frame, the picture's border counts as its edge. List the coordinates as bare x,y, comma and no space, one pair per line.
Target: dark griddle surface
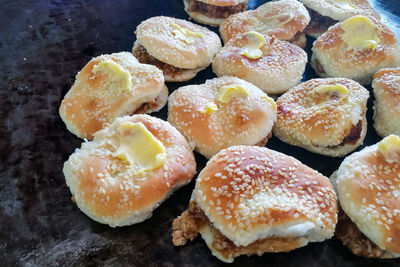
43,44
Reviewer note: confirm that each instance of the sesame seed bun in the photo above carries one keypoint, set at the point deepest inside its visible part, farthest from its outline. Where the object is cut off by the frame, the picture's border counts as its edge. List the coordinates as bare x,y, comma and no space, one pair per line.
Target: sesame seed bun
337,11
171,73
367,184
386,85
108,190
333,57
157,36
280,67
281,19
243,120
214,12
96,98
223,2
260,201
323,123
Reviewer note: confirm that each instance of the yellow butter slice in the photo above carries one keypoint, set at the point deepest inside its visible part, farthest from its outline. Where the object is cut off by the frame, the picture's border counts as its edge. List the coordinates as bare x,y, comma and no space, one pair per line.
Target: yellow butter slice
360,33
140,148
390,148
252,49
270,100
185,35
209,108
227,92
337,89
116,74
344,4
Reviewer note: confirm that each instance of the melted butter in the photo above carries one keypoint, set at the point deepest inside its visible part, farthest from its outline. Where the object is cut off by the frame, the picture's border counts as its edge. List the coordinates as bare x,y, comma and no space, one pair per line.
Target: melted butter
139,147
227,92
185,35
360,33
209,108
252,49
270,100
116,74
338,89
390,148
344,4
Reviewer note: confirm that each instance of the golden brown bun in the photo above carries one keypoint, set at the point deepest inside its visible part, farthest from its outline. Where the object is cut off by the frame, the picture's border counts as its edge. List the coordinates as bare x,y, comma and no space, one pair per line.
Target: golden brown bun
280,68
368,183
341,10
105,187
386,85
332,57
96,99
252,193
157,36
245,120
322,123
281,19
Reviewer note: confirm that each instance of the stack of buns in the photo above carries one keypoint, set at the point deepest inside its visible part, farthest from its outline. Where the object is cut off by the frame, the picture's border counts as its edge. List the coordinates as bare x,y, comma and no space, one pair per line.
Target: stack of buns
248,199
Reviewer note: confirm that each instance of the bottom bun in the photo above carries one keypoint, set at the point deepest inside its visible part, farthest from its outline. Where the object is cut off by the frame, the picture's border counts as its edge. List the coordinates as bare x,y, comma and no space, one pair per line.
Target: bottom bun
343,149
360,245
156,104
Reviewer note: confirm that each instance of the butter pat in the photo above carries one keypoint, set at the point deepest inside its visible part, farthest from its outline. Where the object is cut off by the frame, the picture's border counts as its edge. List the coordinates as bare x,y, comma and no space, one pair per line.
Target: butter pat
344,4
116,74
360,33
338,89
140,148
270,100
209,109
390,148
252,49
227,92
185,35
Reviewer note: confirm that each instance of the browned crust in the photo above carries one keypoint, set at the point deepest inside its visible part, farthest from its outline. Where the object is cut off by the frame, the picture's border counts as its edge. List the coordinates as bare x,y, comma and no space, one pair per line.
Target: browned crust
186,227
299,39
360,245
318,24
318,67
264,142
143,57
214,11
154,105
189,224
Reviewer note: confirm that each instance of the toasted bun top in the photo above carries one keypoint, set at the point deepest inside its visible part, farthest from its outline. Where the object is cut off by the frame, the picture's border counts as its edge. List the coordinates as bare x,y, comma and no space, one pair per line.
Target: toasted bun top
368,189
321,118
340,59
386,86
223,2
281,19
388,81
108,189
164,38
251,193
242,120
280,66
341,9
99,95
